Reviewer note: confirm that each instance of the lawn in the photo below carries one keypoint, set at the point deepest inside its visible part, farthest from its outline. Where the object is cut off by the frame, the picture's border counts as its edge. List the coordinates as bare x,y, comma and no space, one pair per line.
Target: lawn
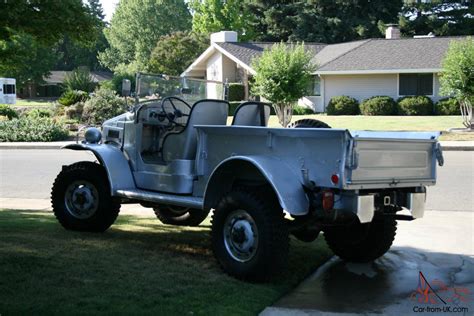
33,102
390,123
139,266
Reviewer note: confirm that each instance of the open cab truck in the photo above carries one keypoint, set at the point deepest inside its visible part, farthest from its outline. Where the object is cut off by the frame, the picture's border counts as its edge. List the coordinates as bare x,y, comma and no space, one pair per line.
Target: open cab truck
175,152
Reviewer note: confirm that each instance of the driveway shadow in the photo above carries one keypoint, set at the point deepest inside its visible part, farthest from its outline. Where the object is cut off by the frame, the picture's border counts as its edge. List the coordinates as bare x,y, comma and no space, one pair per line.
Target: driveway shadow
390,283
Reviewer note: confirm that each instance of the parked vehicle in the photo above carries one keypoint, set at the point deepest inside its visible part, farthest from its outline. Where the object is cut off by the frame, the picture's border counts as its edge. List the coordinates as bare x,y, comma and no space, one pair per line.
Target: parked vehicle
7,91
263,184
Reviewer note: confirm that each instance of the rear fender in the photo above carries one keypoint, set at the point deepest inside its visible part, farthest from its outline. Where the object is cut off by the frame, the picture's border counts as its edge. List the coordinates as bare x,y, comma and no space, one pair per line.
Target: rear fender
285,182
114,161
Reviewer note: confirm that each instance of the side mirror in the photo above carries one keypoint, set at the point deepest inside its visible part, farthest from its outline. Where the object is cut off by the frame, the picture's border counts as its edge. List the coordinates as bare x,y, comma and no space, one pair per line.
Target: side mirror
126,87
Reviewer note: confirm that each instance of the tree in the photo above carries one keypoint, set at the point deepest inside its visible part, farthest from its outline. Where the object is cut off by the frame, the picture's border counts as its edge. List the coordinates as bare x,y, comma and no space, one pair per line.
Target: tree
23,58
440,17
321,20
46,21
457,77
283,76
174,52
135,28
30,29
72,54
217,15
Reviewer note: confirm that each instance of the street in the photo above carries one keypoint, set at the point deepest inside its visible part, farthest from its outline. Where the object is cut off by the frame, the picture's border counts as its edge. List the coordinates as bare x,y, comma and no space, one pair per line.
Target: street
30,174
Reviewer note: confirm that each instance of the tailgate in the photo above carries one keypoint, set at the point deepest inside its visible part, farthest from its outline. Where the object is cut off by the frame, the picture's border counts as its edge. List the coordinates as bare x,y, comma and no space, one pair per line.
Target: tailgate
392,159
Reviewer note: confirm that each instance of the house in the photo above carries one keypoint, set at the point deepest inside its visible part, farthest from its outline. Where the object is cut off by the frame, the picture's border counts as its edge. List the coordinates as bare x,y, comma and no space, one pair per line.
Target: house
52,85
392,66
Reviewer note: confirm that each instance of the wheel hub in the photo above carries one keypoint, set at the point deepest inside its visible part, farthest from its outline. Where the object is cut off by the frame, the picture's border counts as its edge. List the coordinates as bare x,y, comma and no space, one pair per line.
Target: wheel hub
81,199
240,236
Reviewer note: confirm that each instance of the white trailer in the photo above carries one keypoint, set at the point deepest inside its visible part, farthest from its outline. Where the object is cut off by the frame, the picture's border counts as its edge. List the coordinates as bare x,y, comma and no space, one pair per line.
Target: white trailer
7,91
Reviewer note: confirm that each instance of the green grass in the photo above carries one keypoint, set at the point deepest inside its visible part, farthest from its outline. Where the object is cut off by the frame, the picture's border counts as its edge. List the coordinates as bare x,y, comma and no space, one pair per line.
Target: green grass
139,266
33,102
390,123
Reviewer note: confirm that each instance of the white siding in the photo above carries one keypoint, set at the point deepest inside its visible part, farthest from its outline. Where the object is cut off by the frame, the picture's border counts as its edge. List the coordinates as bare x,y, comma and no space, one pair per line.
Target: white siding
360,87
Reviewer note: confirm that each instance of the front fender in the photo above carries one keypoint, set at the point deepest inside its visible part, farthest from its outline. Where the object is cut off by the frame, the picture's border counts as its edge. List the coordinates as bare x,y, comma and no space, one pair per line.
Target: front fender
285,182
114,161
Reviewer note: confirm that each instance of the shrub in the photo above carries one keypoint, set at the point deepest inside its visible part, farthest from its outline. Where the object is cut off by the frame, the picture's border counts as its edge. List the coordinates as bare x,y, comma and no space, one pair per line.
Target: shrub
74,112
415,105
342,105
32,130
447,106
79,79
379,105
103,105
73,96
301,110
39,113
236,92
6,110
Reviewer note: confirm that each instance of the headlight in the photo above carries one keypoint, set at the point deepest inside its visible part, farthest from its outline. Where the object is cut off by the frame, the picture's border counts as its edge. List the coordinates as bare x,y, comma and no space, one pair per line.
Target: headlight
93,135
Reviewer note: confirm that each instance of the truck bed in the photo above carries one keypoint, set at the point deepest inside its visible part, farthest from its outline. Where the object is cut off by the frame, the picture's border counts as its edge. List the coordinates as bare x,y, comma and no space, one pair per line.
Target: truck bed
361,159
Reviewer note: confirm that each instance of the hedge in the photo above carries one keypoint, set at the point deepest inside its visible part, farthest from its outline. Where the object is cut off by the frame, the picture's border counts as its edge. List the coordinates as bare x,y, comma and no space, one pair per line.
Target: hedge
379,105
27,129
415,105
343,105
236,92
297,110
447,106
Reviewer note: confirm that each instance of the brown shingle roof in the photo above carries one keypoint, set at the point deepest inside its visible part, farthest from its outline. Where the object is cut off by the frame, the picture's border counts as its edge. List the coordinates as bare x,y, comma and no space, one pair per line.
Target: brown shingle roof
370,54
391,54
246,52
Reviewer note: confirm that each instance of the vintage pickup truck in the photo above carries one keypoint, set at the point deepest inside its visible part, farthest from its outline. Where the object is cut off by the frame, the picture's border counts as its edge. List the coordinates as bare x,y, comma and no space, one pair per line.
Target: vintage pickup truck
184,159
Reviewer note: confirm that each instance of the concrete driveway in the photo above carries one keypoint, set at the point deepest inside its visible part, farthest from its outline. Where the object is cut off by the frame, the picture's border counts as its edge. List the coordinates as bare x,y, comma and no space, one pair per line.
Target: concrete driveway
439,245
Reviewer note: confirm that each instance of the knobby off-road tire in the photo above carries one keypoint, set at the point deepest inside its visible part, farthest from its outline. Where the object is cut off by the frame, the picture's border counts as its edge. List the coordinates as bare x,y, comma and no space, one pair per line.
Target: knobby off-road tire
362,242
308,123
81,198
180,216
249,236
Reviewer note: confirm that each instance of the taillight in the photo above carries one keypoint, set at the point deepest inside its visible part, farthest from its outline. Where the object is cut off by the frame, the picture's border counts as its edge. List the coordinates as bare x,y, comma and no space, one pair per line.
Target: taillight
328,200
335,179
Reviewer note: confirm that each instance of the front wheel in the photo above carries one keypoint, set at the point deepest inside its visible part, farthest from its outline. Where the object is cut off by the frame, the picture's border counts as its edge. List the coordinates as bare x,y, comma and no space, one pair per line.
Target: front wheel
249,236
81,198
180,216
362,242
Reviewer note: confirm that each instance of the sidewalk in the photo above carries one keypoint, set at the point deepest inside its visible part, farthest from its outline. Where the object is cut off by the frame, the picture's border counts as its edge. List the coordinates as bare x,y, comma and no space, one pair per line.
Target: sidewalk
440,245
446,145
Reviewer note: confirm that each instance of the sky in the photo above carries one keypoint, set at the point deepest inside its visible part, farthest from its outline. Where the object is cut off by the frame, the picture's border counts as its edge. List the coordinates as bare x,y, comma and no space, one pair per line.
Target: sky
109,8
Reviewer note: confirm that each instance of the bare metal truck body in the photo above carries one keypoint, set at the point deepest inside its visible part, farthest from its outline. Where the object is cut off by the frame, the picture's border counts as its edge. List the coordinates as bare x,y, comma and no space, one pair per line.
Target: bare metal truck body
352,185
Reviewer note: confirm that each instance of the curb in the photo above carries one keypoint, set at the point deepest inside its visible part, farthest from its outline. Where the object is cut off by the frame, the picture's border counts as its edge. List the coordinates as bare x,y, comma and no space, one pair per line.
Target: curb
445,146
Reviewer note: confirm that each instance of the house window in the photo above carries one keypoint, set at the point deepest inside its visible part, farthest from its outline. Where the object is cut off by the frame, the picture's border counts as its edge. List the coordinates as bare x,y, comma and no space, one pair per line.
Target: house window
415,84
314,88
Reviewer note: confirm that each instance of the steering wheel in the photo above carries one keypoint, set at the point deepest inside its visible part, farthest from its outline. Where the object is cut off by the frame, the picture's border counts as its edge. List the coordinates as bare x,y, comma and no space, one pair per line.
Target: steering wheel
177,113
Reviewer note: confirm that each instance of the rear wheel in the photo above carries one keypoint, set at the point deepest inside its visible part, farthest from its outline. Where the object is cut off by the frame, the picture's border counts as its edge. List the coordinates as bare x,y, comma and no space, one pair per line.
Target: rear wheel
362,242
249,236
81,198
309,123
180,216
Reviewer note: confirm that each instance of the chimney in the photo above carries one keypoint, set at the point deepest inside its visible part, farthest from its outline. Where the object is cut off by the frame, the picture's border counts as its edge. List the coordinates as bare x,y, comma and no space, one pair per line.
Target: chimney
392,31
224,36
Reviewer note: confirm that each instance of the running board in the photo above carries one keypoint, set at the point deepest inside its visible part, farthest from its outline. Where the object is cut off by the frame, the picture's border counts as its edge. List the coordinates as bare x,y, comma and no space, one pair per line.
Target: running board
162,198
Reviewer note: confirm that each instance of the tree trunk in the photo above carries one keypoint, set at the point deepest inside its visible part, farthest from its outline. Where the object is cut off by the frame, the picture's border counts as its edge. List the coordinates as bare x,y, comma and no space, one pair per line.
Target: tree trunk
284,112
466,112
